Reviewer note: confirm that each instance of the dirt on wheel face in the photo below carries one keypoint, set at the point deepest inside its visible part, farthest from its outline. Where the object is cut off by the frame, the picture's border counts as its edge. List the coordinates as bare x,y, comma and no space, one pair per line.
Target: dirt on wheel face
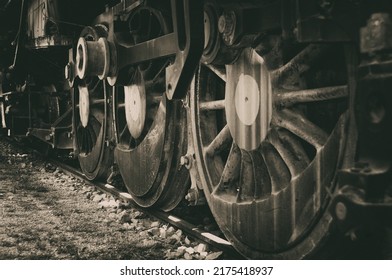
46,214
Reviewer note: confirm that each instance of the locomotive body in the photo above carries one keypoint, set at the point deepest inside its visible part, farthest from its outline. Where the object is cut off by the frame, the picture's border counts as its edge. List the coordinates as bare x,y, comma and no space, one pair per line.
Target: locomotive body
275,113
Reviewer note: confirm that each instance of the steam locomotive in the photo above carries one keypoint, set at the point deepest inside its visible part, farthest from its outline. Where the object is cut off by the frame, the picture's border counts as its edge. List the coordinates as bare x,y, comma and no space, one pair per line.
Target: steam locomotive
274,113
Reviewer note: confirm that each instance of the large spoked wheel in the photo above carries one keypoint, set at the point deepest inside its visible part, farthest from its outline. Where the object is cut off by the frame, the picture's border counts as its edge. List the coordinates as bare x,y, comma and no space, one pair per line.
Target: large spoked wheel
92,124
151,130
269,134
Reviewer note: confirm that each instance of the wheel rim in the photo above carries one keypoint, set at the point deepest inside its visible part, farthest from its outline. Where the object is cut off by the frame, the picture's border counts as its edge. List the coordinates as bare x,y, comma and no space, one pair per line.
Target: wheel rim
268,189
151,131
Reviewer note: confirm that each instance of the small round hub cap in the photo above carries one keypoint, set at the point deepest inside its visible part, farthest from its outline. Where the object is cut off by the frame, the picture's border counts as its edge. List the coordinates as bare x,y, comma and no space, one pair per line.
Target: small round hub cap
135,109
247,100
84,105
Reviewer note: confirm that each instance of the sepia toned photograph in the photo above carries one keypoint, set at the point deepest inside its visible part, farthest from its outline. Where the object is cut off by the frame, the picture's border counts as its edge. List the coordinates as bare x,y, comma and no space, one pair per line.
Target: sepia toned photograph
196,130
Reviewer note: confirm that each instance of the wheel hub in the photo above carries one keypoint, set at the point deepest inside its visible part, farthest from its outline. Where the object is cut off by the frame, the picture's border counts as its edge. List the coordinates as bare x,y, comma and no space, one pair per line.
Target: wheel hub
248,100
93,58
84,105
135,109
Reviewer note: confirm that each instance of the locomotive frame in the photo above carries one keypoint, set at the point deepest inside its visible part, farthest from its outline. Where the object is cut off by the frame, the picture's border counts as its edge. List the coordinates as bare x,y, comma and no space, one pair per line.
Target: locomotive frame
275,113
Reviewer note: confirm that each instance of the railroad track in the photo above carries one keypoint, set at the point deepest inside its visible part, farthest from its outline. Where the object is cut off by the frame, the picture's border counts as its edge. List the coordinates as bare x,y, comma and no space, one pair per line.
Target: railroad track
362,249
176,221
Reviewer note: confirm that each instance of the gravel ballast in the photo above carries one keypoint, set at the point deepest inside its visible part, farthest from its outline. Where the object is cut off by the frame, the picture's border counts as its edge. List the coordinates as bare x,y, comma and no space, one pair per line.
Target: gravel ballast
47,214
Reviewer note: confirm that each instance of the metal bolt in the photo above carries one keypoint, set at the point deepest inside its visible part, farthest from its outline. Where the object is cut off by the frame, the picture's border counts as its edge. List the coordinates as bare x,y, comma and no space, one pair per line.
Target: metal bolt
191,196
184,160
226,23
185,102
68,71
341,211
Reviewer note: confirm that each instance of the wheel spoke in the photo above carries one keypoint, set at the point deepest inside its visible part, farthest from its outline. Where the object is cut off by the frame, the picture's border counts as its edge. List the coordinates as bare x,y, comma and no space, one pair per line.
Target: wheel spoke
93,86
310,95
290,72
121,106
212,105
123,131
247,180
158,78
277,169
293,145
231,172
220,72
97,102
221,140
97,114
295,163
301,127
255,180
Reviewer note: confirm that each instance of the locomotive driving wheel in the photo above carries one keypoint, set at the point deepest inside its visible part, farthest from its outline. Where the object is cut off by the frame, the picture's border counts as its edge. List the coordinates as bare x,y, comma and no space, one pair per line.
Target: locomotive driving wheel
92,120
150,129
269,134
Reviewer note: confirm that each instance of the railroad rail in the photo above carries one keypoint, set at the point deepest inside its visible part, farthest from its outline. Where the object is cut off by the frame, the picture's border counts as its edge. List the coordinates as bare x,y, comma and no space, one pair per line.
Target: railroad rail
178,222
168,217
